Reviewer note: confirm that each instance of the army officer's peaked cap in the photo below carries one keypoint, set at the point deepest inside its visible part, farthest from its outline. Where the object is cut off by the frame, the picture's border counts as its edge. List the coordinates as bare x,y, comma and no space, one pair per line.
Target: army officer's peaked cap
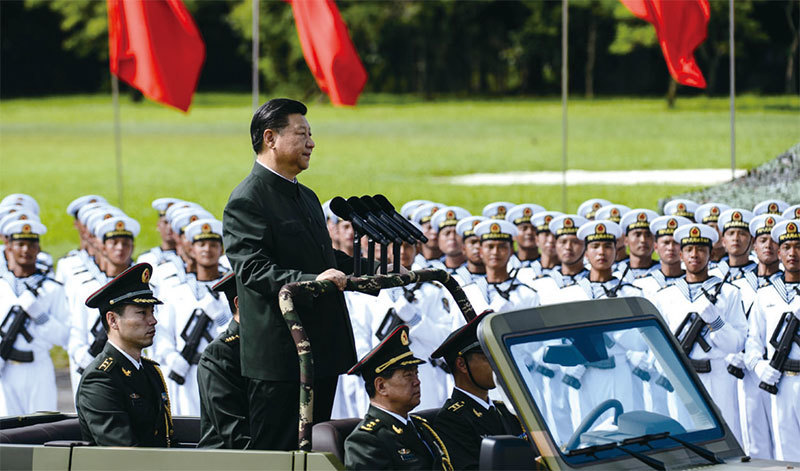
129,287
392,353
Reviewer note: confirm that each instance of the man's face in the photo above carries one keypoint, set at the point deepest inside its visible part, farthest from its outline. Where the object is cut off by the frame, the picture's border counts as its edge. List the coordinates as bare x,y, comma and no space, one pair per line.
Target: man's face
450,242
619,249
165,230
546,242
345,230
569,249
526,236
736,241
668,250
407,254
118,250
480,368
185,247
695,257
293,144
402,388
23,252
766,249
789,254
601,254
207,252
433,239
495,253
472,250
640,242
136,327
333,230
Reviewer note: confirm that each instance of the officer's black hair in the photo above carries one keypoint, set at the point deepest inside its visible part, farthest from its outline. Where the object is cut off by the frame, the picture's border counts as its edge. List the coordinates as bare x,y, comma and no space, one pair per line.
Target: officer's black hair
118,310
370,385
274,115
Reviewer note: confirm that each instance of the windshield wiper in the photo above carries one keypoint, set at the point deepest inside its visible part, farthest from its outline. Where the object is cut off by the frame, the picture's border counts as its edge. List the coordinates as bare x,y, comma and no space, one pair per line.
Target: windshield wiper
704,453
644,439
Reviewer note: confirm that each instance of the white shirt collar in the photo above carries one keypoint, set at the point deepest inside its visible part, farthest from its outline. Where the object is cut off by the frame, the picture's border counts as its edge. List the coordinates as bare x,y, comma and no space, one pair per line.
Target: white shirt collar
276,173
404,420
484,404
137,364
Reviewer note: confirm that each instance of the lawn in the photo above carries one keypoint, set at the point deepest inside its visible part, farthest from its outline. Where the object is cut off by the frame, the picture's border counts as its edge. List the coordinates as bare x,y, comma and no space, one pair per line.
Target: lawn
59,148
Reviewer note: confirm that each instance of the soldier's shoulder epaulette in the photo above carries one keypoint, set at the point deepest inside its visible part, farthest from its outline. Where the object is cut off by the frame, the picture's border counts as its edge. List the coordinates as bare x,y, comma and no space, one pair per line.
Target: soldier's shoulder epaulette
371,425
231,338
150,360
456,407
420,418
107,364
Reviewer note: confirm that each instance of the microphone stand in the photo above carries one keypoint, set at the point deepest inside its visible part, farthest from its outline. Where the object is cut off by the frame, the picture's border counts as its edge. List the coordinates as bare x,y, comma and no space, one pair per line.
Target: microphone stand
384,258
371,257
356,253
396,255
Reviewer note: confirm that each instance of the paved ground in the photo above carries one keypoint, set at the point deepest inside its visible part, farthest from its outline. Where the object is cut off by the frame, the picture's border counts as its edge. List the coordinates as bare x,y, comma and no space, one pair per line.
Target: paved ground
700,176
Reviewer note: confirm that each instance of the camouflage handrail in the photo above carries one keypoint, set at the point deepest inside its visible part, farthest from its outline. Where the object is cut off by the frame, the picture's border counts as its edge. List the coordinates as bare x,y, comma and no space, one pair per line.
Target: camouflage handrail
365,284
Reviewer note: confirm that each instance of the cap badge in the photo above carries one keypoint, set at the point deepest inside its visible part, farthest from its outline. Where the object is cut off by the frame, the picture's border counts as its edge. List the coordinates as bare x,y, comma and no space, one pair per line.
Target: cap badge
120,226
26,229
23,218
600,229
773,208
494,228
501,209
769,222
548,218
404,338
193,218
450,215
476,222
797,213
146,275
614,212
527,212
791,228
736,216
641,217
93,200
206,228
596,206
714,211
107,216
695,232
568,222
681,207
672,223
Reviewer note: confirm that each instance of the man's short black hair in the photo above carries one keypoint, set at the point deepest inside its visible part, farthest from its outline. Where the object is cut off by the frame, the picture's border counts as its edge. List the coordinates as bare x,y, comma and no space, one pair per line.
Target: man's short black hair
274,115
118,309
370,384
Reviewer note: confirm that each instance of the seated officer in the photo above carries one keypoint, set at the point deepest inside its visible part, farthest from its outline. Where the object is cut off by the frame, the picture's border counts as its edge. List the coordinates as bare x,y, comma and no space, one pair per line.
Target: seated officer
224,415
469,415
122,399
388,437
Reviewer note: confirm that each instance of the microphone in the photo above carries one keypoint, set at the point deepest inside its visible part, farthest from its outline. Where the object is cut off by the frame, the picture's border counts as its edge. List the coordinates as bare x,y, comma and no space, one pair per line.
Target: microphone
375,209
388,208
341,208
365,213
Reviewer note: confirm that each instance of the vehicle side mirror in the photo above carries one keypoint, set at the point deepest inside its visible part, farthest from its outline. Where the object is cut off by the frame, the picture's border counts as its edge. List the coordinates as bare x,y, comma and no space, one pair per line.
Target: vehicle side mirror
564,355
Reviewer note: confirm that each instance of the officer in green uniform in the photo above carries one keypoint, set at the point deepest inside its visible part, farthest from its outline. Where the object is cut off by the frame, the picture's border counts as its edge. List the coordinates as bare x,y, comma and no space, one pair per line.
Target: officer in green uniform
224,417
388,437
122,399
469,415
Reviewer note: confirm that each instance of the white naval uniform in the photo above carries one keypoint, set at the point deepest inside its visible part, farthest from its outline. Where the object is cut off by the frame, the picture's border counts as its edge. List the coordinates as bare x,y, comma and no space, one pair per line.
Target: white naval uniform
29,387
654,282
463,276
770,303
180,302
44,261
532,272
550,285
421,263
67,266
681,298
156,256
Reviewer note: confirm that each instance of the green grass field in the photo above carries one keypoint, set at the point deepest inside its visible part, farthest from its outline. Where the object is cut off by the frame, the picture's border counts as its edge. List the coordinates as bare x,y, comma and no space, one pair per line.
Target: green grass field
59,148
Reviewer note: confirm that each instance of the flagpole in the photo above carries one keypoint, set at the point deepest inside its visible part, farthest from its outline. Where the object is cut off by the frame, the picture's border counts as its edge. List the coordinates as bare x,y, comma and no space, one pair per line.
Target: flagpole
117,137
564,83
732,91
256,31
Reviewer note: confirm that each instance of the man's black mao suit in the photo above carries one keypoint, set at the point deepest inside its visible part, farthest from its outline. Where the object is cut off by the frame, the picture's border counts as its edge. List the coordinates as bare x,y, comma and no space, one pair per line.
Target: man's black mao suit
274,234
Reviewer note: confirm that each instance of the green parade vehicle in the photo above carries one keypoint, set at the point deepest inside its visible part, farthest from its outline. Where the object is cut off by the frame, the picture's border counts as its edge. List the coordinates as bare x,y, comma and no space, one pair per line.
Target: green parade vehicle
654,414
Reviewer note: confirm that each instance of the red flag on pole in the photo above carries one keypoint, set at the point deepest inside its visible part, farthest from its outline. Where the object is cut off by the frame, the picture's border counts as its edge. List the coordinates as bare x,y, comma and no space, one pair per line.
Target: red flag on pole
681,26
328,50
154,45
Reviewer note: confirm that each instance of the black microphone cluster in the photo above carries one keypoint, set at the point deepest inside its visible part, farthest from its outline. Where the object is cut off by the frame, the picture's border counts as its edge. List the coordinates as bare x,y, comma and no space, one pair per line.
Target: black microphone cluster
375,217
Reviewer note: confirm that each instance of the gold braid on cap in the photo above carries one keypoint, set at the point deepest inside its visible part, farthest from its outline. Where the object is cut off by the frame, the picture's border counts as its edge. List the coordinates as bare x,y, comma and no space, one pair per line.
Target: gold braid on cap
393,361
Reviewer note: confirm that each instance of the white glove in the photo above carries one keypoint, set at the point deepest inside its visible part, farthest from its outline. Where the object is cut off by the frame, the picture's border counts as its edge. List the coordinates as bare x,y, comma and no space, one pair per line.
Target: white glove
735,359
638,359
766,373
576,372
30,304
709,314
210,306
405,310
180,366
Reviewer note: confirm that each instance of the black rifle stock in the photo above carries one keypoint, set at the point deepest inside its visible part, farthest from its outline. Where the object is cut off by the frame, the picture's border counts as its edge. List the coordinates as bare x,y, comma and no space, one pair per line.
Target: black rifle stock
99,343
193,332
12,327
782,346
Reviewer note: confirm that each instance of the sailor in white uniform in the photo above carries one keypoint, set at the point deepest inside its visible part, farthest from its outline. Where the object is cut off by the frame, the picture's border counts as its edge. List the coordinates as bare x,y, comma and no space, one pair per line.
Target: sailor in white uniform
773,206
709,214
570,250
527,253
473,268
589,208
716,306
546,244
792,212
158,255
44,261
614,212
428,252
34,319
70,263
669,254
443,223
172,271
775,307
635,225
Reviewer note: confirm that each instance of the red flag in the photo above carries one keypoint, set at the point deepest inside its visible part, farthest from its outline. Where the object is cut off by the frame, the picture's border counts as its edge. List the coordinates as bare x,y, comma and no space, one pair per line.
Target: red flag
328,50
681,26
154,45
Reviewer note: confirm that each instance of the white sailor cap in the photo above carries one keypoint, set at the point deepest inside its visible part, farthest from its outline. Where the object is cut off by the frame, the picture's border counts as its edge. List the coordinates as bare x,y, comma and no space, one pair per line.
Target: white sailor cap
466,227
204,229
611,212
408,209
566,224
792,212
120,226
763,224
681,207
448,216
162,204
497,210
786,230
86,211
667,225
329,216
175,207
24,229
770,207
696,234
588,208
424,212
523,213
80,202
496,229
602,230
96,217
181,219
709,212
638,218
20,199
541,221
17,215
735,218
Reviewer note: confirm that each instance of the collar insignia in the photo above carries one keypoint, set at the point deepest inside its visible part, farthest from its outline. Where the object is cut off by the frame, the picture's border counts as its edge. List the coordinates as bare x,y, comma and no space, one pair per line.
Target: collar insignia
126,372
477,414
397,430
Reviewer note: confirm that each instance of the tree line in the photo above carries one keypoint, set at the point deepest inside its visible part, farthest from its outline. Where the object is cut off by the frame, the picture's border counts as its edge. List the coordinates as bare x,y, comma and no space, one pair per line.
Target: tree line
429,48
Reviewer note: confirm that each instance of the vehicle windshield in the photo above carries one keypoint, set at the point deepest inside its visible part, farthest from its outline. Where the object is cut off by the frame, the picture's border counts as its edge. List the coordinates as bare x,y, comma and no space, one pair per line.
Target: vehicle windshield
601,385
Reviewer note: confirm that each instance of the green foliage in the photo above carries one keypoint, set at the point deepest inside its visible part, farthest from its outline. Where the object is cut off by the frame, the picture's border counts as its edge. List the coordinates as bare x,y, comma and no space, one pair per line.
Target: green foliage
85,23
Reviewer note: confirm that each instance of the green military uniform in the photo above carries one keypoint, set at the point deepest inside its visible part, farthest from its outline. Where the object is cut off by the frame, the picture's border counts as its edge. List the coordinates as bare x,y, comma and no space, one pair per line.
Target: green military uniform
119,403
224,418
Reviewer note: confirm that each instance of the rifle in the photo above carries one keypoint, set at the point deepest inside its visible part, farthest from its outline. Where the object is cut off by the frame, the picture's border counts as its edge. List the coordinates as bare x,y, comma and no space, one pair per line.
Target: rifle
99,343
712,298
13,326
193,332
694,336
390,322
780,360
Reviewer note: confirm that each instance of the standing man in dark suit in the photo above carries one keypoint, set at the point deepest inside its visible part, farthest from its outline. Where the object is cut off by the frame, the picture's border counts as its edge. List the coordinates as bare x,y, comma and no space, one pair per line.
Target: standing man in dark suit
274,234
